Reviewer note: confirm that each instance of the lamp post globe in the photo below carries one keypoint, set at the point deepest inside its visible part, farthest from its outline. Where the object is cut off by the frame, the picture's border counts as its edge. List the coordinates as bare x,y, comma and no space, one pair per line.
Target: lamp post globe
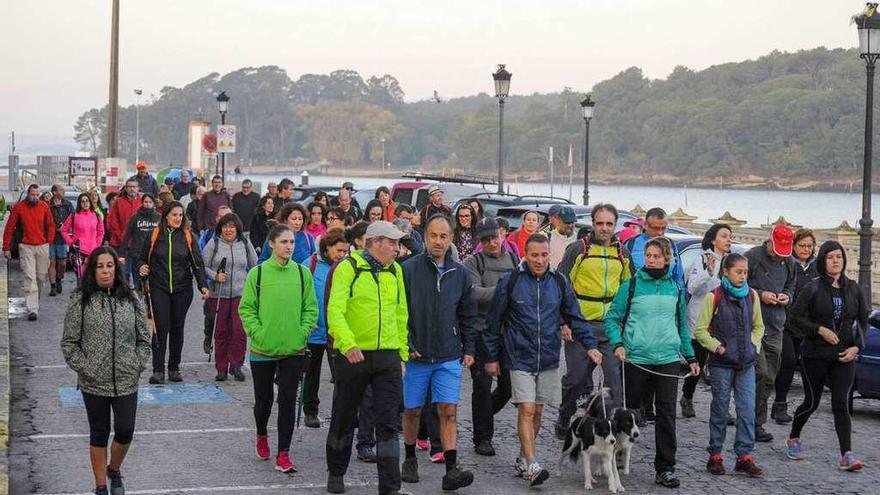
587,105
502,90
223,106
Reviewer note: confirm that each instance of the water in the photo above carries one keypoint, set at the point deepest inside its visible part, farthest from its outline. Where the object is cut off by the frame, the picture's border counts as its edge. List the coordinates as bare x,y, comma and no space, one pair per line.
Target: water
812,209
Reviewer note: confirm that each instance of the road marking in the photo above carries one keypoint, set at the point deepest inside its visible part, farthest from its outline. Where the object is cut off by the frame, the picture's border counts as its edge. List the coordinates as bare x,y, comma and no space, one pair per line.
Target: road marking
216,489
207,431
64,366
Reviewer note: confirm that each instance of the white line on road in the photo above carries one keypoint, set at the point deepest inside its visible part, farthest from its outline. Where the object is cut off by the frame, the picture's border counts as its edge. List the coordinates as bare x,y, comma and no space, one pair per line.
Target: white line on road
207,431
64,366
216,489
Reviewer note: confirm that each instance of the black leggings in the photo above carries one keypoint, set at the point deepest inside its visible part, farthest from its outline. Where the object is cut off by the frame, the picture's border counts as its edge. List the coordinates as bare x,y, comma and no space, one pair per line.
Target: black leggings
840,377
791,353
313,379
263,373
169,311
98,411
690,383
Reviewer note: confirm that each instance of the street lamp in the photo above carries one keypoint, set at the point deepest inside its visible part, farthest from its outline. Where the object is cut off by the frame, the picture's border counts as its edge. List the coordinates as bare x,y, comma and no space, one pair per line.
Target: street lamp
383,154
502,89
137,125
223,106
868,24
587,106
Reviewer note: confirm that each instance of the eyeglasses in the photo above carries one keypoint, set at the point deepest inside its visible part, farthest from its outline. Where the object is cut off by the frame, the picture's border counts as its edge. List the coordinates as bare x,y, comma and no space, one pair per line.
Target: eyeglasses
333,217
804,246
464,216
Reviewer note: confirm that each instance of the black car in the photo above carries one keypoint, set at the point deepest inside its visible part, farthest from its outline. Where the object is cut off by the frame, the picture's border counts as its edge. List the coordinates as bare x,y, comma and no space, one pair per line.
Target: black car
304,194
492,202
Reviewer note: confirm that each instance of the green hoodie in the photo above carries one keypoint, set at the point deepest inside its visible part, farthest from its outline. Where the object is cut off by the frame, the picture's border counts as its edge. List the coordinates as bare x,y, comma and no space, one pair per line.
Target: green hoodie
652,334
279,323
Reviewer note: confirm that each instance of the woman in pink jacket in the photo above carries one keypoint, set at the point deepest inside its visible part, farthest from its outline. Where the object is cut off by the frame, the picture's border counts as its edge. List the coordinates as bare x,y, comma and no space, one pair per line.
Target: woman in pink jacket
84,228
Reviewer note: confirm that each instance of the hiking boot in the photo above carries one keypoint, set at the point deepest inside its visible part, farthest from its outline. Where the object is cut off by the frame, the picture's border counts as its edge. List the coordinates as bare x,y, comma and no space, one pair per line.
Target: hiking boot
762,435
795,449
667,479
221,377
237,374
116,486
174,376
438,457
848,462
312,421
263,452
208,345
32,316
101,490
53,292
422,444
457,478
157,378
58,291
648,417
687,408
335,484
536,475
780,413
409,472
716,465
284,463
365,453
485,448
520,467
746,465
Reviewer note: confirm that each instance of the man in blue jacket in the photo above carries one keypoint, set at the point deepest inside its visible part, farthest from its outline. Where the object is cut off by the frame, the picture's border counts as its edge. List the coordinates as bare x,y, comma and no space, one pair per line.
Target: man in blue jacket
538,308
655,226
442,328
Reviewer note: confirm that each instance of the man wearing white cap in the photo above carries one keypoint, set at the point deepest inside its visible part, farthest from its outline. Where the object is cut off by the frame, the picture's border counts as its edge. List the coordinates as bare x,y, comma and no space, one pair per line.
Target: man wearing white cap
367,317
435,204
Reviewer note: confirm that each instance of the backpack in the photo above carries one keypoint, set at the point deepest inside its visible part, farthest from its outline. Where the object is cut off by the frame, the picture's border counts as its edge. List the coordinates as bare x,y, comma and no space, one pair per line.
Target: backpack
313,262
302,287
586,244
629,298
359,270
480,260
718,293
155,236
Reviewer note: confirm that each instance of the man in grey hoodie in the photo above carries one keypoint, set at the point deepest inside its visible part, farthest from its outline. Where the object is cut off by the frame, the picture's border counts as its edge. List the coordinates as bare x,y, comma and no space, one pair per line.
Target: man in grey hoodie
486,268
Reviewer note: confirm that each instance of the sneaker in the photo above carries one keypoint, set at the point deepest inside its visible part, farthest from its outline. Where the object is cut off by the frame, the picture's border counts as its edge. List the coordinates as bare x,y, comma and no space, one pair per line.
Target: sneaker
687,408
422,444
536,475
485,448
157,378
284,463
779,412
716,465
312,421
335,484
366,453
32,316
237,374
174,376
667,479
746,465
795,449
208,345
438,457
101,490
649,416
263,452
762,435
409,472
53,292
848,462
116,486
520,467
457,478
221,377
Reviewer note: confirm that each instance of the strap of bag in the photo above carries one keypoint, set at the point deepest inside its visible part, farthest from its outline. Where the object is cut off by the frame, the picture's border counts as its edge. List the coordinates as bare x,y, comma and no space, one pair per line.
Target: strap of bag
629,299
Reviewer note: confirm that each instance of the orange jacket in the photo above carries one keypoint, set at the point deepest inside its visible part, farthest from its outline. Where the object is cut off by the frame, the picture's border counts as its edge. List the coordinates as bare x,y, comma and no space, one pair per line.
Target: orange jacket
37,225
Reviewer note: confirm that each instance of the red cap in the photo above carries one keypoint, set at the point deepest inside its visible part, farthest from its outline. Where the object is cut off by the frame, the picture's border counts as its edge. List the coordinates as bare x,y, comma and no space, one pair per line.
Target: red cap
141,165
782,240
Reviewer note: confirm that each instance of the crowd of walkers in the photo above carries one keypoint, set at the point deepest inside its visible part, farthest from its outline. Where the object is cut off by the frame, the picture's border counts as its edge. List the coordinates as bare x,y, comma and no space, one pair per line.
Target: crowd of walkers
401,302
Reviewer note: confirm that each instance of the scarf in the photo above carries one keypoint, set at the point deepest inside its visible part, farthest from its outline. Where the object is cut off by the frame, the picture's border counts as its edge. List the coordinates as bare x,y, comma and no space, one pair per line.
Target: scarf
737,292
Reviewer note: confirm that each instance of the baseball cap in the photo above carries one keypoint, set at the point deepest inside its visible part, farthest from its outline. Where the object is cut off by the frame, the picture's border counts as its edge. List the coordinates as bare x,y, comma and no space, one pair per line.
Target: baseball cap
141,165
782,240
347,185
404,226
434,188
554,210
566,214
382,228
635,221
486,227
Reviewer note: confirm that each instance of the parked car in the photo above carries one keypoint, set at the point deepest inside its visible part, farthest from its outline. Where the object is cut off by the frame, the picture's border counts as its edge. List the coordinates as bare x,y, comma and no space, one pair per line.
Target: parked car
867,383
492,202
415,194
690,248
364,196
304,194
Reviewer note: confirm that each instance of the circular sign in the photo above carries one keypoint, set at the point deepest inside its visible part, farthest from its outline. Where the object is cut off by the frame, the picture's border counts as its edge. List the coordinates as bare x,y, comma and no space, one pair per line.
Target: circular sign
209,143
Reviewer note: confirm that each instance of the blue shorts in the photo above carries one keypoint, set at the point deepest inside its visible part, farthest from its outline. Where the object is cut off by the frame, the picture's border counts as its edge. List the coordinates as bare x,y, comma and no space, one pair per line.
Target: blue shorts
57,251
443,378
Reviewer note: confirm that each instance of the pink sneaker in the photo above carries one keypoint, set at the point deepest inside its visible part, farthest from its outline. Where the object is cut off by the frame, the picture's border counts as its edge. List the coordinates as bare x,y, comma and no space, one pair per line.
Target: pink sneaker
438,458
422,444
284,463
263,451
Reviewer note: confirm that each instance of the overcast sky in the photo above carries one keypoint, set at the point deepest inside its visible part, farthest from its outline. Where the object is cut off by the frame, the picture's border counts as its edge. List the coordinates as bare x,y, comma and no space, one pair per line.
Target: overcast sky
54,59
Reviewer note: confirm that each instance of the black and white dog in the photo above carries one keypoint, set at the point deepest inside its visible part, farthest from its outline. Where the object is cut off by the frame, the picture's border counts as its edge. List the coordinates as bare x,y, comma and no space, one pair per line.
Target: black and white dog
591,438
624,422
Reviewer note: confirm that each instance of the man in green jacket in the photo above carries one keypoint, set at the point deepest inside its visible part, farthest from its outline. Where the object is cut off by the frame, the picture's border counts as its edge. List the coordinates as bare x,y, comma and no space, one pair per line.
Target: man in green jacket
367,317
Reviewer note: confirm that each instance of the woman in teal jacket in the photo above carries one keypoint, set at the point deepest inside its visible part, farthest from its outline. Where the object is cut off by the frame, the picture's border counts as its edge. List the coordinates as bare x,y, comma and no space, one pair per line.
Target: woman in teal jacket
279,311
647,329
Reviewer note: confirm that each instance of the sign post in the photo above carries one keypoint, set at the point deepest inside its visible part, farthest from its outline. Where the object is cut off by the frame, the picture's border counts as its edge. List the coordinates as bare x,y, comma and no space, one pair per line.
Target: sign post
82,166
225,144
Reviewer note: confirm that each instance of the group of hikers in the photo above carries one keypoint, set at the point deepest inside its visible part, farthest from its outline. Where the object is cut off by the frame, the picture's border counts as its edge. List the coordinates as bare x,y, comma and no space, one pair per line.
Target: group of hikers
401,302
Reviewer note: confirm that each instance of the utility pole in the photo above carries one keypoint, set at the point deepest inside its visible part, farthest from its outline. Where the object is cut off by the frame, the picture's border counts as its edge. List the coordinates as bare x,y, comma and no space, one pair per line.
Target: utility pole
114,82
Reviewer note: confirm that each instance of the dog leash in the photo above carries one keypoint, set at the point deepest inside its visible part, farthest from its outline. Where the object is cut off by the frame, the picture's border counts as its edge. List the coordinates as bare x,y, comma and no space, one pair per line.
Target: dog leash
657,373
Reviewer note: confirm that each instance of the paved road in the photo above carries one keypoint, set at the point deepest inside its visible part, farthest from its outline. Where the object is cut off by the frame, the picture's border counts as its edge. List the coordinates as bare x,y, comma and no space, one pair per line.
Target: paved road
207,447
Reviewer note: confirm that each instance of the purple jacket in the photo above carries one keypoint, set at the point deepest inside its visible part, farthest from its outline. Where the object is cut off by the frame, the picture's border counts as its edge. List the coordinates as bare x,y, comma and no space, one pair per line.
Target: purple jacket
208,206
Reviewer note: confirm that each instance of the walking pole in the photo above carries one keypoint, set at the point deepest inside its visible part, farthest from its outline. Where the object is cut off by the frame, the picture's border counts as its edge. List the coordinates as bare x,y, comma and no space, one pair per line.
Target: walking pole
302,386
220,269
148,303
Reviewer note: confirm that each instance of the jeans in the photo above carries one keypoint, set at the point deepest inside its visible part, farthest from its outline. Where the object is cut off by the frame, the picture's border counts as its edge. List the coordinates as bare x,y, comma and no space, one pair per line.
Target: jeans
742,384
578,378
791,354
766,369
665,391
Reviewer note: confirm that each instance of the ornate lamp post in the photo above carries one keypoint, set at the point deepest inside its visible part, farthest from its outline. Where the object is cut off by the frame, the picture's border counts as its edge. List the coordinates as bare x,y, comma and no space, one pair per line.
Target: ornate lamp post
868,25
223,106
587,106
502,89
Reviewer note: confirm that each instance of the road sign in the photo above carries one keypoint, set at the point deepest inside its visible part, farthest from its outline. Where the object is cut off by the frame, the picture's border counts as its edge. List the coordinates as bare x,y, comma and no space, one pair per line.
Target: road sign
83,165
209,143
226,139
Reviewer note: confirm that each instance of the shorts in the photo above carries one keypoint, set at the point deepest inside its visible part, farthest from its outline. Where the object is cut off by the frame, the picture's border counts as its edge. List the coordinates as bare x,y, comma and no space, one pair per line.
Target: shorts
57,251
543,387
443,378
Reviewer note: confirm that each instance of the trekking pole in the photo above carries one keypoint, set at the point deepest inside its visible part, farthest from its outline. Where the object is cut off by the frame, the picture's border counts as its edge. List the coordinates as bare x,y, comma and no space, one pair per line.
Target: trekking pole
302,386
148,303
220,269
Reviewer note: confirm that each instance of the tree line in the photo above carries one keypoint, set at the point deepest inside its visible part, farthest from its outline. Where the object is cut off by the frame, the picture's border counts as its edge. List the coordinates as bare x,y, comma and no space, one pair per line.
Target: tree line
783,114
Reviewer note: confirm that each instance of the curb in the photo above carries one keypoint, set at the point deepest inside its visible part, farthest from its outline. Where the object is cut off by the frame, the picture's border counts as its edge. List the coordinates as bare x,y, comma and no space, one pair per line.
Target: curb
4,374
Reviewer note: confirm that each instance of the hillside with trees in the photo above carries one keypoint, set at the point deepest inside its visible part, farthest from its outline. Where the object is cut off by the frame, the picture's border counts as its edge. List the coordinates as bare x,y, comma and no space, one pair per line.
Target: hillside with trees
784,114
